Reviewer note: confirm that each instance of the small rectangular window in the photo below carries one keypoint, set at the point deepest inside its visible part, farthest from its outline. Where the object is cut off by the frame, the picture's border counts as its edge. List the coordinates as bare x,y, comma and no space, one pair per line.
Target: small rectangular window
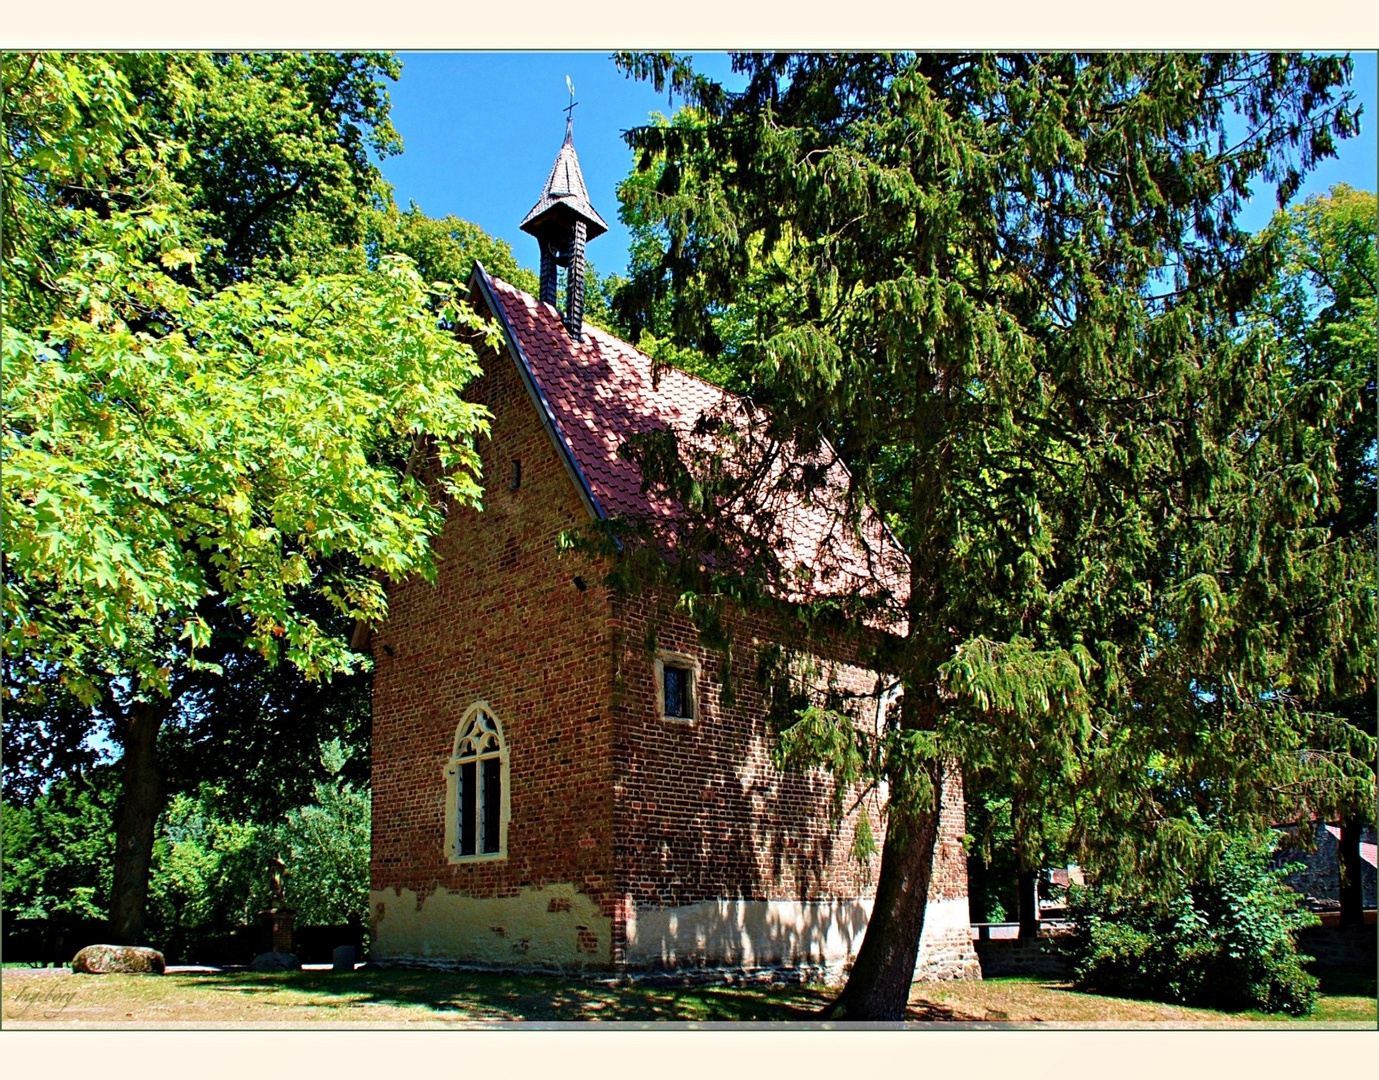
677,692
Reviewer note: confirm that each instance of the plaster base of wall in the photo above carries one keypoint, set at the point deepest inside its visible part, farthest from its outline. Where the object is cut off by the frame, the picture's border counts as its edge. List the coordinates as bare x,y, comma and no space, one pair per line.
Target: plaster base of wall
751,935
558,929
747,933
552,928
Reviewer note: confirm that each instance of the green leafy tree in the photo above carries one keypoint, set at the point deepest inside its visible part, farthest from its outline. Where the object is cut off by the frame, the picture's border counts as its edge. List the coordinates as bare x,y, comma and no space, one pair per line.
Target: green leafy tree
59,851
188,441
208,871
445,249
1007,289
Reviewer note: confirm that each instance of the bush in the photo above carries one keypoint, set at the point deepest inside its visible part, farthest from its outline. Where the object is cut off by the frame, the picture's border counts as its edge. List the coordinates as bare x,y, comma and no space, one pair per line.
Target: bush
1223,941
326,848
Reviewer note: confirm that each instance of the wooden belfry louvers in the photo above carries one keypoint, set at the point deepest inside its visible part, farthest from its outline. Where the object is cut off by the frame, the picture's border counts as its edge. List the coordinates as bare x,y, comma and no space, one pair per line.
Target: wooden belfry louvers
563,221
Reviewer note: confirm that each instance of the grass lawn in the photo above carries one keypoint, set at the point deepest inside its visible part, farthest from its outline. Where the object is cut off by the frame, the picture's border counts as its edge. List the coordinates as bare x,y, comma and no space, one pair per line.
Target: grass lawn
393,998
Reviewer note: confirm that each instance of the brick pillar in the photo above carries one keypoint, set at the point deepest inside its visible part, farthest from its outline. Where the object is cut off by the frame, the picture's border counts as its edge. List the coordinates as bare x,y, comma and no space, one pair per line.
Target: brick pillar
279,922
945,948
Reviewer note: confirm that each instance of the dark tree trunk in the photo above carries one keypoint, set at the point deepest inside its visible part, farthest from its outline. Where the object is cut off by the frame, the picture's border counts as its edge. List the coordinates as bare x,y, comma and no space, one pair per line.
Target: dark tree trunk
139,806
1352,900
878,986
1027,888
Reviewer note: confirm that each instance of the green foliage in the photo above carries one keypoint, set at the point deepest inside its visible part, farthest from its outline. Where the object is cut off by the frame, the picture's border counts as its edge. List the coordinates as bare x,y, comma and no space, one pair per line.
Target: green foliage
1323,305
244,436
210,861
1223,938
445,249
280,153
326,847
209,869
165,443
644,308
1011,292
58,852
992,865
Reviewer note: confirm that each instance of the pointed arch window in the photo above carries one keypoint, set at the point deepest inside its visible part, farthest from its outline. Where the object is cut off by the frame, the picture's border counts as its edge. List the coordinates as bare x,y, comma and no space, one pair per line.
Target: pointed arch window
476,780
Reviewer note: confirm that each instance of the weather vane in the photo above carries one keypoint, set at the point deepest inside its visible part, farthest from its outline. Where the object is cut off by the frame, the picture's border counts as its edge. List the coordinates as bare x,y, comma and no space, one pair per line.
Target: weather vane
570,108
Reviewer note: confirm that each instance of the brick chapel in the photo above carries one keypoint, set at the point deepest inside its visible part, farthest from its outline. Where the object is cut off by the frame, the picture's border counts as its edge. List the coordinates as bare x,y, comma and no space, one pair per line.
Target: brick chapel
551,791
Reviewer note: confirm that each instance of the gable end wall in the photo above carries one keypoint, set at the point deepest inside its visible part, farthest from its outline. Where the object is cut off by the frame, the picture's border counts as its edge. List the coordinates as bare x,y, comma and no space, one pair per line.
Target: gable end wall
504,624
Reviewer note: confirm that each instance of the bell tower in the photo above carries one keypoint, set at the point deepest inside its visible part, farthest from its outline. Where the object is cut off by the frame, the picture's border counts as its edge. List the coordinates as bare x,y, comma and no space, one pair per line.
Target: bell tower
563,221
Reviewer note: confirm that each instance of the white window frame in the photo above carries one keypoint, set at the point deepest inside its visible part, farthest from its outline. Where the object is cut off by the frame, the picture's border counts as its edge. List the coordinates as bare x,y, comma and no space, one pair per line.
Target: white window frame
473,742
690,664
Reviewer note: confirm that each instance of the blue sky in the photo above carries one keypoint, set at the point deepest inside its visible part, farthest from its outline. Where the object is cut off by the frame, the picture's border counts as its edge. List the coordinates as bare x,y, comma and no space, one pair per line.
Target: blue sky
480,130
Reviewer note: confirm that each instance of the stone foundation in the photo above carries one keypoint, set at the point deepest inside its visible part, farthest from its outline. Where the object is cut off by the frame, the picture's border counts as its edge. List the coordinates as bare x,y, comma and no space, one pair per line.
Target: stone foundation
945,947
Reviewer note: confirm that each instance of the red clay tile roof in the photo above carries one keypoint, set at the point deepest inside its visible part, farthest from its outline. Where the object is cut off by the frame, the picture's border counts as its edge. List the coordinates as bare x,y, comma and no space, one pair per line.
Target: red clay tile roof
600,392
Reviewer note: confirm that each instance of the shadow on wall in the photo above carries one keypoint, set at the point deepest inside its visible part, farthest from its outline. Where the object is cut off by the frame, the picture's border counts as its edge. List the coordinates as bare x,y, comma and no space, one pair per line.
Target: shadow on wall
725,823
748,933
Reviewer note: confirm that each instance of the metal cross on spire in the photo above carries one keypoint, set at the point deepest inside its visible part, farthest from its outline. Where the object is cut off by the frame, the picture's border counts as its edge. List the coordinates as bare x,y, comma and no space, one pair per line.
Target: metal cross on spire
569,109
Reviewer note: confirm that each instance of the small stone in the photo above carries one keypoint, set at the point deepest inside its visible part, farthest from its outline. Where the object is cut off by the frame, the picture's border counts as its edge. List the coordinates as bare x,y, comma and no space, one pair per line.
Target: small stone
276,961
118,960
342,959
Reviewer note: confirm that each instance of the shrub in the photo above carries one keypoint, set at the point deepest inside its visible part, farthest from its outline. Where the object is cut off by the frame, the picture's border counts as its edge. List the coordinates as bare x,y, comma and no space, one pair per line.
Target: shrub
326,848
1224,940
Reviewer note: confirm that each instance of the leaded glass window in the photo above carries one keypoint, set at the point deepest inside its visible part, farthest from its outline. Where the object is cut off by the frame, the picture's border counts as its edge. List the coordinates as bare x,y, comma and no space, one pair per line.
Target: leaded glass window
477,774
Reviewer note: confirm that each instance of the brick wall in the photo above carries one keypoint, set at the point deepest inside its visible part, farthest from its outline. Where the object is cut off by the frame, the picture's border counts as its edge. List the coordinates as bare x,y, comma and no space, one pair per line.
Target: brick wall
700,811
506,624
702,816
682,835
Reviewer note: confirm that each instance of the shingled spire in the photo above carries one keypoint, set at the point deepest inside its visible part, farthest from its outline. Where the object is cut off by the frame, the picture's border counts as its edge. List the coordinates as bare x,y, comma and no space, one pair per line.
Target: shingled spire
563,221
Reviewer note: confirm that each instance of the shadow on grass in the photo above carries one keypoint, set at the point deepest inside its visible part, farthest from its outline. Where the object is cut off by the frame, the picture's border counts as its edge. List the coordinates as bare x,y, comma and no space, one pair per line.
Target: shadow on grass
1336,987
498,996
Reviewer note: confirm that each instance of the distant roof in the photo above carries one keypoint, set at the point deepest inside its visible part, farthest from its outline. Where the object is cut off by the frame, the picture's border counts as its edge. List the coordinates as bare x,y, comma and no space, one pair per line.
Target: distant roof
599,392
565,187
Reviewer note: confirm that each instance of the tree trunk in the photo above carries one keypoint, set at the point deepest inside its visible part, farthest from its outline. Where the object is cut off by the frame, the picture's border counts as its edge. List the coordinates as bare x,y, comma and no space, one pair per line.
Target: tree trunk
1028,897
878,987
1352,900
139,806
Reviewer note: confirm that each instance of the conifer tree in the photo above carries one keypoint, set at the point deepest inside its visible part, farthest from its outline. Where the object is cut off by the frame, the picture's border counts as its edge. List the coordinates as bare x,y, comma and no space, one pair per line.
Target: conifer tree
1007,290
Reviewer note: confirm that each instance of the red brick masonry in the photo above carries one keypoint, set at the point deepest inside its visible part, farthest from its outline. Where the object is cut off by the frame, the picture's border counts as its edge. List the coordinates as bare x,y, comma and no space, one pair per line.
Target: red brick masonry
634,841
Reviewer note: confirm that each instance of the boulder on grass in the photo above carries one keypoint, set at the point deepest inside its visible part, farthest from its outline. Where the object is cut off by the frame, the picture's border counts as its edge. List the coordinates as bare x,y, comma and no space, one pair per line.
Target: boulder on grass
118,960
276,961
